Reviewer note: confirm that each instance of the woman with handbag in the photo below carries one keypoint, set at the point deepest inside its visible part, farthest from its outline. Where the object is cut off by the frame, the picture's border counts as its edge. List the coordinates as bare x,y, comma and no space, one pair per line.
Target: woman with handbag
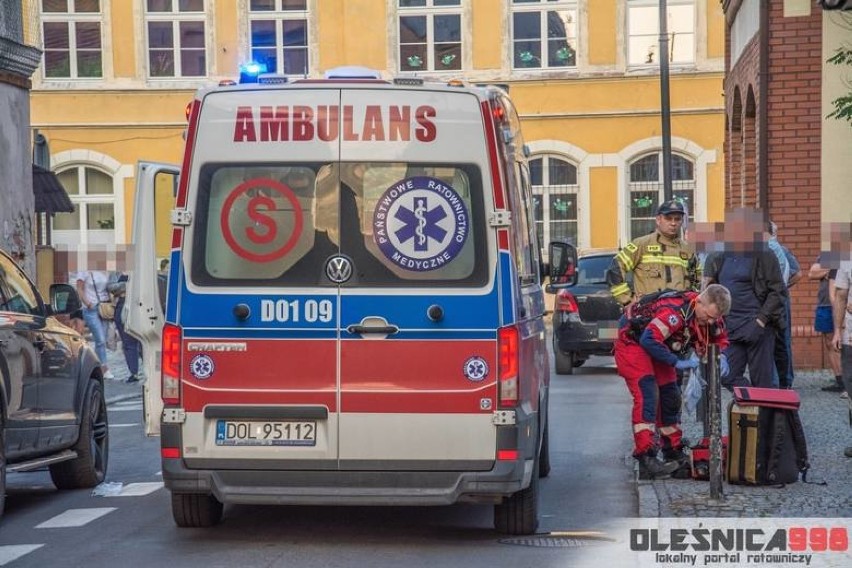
92,289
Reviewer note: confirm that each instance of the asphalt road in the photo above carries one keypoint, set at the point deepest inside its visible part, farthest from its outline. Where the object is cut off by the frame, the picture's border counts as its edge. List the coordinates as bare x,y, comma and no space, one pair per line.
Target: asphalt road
589,484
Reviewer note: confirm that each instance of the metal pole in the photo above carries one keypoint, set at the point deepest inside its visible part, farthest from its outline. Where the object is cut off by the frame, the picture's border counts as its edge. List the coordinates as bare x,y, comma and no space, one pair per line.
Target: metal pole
714,393
665,110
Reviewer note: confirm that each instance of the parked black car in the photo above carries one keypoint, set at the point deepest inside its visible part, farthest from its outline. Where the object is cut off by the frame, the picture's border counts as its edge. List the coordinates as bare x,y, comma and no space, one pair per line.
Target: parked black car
52,408
585,314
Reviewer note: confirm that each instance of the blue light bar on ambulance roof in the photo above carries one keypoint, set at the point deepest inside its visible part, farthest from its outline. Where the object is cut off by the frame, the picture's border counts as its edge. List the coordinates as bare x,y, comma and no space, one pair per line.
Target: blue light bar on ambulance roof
408,81
272,79
352,72
250,71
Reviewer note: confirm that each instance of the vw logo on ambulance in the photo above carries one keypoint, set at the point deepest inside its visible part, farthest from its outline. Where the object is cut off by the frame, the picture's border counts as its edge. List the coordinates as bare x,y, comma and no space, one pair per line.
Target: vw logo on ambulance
420,223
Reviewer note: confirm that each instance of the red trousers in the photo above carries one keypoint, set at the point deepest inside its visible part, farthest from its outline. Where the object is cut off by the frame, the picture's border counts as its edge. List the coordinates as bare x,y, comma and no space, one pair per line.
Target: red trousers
656,397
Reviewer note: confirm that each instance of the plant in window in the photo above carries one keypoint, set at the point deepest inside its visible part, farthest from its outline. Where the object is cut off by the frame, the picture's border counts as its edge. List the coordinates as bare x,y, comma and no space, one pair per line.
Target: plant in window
643,201
448,59
527,58
89,69
561,205
106,223
59,69
565,54
415,61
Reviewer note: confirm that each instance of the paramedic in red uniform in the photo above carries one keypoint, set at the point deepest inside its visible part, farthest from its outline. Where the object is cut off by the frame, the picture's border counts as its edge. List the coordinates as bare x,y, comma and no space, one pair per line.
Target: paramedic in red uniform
679,321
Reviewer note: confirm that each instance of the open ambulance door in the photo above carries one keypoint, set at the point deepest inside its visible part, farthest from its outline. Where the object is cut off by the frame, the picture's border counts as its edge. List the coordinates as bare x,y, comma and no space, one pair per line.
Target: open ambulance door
156,188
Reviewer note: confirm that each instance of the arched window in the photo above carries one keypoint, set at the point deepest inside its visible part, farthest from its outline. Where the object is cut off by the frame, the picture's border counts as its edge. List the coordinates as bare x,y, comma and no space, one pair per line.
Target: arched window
93,221
646,189
554,187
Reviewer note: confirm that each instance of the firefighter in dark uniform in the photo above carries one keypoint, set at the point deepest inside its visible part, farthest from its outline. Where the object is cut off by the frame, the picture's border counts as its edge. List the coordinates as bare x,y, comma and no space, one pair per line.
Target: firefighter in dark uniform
654,339
660,260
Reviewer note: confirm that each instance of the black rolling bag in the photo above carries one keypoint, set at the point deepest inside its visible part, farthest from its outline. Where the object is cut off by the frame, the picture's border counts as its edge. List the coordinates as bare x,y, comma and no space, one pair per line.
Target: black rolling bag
766,442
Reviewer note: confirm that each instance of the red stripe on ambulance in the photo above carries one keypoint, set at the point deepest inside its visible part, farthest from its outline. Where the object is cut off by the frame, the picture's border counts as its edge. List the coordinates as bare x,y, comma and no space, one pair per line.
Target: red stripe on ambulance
265,372
417,376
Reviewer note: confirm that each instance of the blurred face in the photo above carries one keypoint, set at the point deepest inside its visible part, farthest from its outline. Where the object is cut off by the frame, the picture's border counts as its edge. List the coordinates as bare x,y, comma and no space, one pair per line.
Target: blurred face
705,312
745,230
669,224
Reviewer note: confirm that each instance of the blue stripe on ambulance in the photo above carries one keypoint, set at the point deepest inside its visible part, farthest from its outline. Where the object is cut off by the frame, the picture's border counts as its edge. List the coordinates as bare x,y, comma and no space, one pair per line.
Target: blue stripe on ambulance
465,315
285,334
507,277
172,293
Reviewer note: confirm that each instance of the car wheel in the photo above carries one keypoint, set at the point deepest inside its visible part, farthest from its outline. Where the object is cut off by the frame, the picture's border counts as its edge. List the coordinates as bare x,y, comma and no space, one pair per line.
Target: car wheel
192,510
92,447
2,462
579,362
518,513
544,456
564,362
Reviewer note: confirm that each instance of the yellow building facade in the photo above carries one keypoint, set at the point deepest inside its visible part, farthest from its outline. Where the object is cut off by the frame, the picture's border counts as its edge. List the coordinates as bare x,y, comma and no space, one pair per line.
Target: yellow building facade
117,75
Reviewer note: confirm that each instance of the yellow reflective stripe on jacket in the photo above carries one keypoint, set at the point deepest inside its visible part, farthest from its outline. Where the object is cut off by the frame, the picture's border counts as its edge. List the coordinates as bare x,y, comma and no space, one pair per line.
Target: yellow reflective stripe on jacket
620,289
664,259
626,260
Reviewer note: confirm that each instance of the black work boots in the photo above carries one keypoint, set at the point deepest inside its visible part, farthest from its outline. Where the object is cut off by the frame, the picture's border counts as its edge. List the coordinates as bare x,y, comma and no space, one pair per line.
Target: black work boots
681,458
652,468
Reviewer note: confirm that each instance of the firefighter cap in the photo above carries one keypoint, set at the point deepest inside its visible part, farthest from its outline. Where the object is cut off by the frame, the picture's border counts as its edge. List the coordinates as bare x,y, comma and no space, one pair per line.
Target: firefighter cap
671,206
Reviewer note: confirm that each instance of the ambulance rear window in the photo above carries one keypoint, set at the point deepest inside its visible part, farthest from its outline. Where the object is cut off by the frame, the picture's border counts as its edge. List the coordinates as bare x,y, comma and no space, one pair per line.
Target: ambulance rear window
395,224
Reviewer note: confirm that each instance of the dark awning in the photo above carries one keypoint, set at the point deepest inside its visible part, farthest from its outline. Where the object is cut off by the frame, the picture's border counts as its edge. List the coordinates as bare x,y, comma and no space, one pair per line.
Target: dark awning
50,196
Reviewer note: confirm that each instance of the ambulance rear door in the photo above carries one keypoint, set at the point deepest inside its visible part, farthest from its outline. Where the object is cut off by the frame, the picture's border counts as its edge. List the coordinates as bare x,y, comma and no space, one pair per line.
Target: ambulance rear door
258,315
419,309
144,308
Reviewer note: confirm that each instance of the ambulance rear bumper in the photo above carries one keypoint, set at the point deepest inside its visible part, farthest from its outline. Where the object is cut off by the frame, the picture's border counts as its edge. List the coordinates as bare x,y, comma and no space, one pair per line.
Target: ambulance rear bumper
362,487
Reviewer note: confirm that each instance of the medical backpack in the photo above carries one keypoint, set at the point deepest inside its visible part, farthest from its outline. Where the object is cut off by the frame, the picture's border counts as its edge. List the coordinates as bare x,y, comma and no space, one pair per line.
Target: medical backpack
766,441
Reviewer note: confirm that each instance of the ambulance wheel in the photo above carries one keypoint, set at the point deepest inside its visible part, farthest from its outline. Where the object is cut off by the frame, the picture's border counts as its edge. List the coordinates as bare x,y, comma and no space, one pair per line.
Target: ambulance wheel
544,456
564,362
518,513
92,447
192,510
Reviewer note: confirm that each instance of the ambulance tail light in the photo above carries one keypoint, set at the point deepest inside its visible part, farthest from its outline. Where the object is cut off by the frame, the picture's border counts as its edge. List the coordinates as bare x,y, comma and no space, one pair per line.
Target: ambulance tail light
172,340
507,364
508,455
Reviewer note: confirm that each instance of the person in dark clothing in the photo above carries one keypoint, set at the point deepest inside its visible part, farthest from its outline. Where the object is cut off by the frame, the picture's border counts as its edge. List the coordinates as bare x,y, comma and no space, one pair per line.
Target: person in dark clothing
130,346
758,293
791,273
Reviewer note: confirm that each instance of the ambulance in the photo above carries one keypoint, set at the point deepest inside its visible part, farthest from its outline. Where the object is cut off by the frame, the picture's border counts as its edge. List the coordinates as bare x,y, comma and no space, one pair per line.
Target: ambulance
354,313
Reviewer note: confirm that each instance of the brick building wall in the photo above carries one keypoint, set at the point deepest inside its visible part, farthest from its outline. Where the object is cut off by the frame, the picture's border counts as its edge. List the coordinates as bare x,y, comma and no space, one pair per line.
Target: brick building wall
794,127
795,123
741,138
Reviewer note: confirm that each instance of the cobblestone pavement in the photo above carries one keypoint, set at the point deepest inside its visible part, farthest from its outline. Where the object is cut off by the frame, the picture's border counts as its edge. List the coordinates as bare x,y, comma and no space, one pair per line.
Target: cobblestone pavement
825,420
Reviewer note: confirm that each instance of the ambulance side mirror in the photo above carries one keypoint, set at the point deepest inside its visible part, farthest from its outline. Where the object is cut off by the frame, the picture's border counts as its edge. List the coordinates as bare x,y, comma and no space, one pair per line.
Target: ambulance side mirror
563,263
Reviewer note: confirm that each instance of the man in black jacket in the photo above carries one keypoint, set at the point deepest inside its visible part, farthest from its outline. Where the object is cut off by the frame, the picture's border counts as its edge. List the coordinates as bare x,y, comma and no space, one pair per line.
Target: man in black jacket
751,272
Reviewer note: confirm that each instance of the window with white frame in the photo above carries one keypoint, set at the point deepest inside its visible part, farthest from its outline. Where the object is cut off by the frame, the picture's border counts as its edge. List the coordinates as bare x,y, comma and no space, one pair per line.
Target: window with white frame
71,34
646,189
278,31
92,192
430,35
555,191
544,34
643,32
176,38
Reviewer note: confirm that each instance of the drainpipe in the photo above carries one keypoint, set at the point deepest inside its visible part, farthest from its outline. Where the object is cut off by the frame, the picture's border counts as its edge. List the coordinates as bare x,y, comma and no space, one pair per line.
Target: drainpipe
763,111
